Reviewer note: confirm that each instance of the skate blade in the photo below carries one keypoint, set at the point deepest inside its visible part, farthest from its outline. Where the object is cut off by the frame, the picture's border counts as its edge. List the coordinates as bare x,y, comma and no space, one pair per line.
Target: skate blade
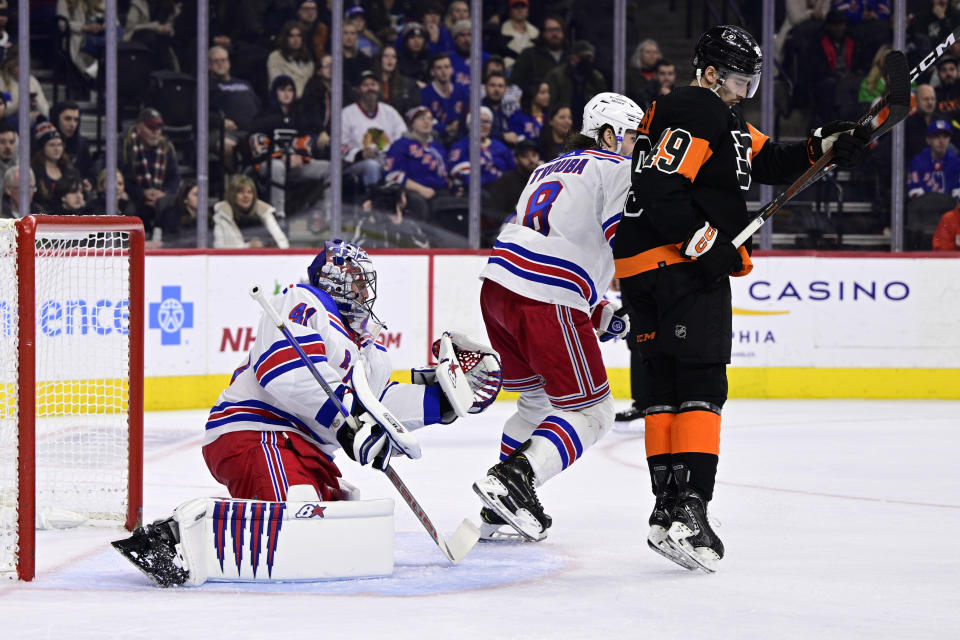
660,544
488,489
704,558
504,533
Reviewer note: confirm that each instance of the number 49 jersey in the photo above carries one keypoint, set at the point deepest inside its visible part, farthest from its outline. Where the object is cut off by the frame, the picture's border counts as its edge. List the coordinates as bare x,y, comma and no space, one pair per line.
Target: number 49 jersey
559,250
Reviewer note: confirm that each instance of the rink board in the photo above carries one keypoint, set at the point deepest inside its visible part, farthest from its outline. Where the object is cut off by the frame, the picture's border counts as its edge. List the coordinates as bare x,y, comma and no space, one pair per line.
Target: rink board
804,326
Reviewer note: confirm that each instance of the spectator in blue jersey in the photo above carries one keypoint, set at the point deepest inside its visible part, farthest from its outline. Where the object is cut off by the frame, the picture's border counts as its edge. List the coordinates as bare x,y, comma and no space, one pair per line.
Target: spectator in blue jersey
528,121
439,39
417,162
367,41
446,100
460,56
495,158
414,56
935,169
494,87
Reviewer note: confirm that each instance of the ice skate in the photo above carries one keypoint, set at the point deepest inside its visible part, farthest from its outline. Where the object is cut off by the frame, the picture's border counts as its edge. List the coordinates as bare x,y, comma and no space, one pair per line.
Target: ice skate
659,526
152,549
508,491
493,528
690,534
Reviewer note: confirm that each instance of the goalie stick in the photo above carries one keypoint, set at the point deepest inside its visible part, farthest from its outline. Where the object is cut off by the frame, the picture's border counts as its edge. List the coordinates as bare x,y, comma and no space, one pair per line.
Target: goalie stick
897,99
467,534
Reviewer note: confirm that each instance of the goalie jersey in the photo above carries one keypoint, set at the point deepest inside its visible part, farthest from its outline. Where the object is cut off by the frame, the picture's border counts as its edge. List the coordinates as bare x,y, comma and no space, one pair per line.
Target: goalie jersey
559,249
274,391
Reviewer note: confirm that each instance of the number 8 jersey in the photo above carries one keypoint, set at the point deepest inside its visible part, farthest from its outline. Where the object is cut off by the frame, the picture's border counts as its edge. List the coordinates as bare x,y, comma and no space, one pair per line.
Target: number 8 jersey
559,249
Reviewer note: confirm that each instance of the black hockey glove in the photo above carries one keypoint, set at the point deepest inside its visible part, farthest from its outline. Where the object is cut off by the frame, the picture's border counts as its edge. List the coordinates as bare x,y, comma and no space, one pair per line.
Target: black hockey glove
845,138
365,441
719,262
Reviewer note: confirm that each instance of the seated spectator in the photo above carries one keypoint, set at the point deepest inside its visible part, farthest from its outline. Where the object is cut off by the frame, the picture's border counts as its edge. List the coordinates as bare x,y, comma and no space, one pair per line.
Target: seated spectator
241,209
439,39
125,206
8,146
231,99
574,83
151,23
948,91
520,33
355,61
414,55
947,235
367,42
511,97
6,40
417,162
399,91
369,128
832,70
10,84
528,121
804,18
50,164
87,40
460,56
291,57
457,11
554,135
495,158
494,88
535,63
505,192
314,29
874,84
69,196
149,165
935,169
10,208
285,146
663,85
642,70
917,122
315,103
66,117
177,221
447,101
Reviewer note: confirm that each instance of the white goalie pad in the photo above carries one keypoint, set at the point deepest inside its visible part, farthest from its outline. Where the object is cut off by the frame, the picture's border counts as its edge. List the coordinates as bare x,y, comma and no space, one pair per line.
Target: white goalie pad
469,372
227,540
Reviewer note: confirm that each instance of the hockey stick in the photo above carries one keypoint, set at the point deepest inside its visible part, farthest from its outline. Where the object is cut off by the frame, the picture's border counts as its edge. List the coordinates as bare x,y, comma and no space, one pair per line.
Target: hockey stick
467,534
897,99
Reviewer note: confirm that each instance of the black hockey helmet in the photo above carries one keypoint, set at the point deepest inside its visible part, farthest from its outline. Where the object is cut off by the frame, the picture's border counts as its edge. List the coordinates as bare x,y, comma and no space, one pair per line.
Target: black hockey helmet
732,51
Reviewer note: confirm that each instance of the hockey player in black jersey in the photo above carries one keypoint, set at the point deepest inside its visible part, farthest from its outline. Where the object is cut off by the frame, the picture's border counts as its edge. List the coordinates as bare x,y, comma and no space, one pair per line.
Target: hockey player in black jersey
692,165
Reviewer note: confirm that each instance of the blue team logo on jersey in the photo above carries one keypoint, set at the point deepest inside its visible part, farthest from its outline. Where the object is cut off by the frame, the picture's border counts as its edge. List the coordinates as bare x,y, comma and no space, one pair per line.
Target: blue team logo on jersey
171,315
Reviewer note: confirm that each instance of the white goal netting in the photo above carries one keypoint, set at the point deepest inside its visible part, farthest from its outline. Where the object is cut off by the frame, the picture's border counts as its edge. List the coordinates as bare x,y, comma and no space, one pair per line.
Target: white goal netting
80,427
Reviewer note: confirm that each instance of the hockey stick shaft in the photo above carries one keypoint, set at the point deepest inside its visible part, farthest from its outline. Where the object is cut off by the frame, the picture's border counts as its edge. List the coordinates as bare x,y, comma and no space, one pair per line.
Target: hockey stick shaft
461,538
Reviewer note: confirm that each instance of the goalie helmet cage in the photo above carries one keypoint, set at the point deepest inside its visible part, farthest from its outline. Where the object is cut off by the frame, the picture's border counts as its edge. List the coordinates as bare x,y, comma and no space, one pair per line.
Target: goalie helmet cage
71,378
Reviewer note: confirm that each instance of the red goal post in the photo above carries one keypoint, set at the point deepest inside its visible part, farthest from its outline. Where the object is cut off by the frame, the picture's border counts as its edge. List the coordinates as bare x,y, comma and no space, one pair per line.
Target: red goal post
71,378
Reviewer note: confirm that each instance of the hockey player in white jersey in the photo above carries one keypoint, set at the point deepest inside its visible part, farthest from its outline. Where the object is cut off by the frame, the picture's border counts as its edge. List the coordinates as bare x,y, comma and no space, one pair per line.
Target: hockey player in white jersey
543,307
273,432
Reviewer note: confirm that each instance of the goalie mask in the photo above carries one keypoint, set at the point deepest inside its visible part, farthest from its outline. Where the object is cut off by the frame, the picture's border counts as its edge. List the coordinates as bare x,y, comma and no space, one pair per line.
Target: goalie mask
608,108
735,55
346,272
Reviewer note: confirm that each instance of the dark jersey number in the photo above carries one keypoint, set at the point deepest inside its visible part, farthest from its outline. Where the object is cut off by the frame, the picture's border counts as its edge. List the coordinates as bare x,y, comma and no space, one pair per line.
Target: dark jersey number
538,207
301,314
670,151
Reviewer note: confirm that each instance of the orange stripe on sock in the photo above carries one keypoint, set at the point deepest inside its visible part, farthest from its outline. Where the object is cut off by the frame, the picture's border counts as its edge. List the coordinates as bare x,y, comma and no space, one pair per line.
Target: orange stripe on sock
656,430
696,432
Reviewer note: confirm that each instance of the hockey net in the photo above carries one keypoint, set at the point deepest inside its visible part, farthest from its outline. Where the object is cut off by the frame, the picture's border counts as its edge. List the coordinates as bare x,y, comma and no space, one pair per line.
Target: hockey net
71,378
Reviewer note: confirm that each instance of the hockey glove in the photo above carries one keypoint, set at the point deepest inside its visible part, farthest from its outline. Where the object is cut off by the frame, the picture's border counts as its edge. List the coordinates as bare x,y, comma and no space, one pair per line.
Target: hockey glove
719,262
845,138
365,441
607,323
477,362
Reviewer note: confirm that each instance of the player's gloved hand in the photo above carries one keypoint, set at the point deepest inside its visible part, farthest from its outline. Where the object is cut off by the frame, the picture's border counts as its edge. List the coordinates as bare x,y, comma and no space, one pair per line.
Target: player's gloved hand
714,253
607,323
365,441
845,138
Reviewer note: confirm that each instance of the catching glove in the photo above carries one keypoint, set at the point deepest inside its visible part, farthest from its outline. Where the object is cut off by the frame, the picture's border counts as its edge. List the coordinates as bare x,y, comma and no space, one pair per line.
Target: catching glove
845,138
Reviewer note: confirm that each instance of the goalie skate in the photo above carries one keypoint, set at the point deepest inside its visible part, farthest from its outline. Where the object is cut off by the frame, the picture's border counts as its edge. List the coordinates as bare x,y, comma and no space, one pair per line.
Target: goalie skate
152,550
508,490
690,534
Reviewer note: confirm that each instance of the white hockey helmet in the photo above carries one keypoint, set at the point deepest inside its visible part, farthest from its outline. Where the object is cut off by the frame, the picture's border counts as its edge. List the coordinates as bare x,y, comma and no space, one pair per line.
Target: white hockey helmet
614,109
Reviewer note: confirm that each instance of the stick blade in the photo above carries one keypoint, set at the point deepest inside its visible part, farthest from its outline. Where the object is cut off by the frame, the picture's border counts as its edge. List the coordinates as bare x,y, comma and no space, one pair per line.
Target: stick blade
898,93
463,540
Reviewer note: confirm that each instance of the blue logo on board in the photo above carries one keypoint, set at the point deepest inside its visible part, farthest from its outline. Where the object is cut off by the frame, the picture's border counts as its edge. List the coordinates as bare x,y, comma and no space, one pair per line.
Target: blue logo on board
171,315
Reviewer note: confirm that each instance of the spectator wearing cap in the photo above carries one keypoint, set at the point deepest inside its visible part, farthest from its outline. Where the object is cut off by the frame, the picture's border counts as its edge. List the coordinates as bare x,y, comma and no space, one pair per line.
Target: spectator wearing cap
369,128
505,192
495,158
460,56
50,164
367,42
833,70
494,88
8,146
148,162
535,63
917,122
291,57
447,101
11,194
66,117
935,169
400,91
574,83
413,53
517,30
948,91
354,61
417,163
439,39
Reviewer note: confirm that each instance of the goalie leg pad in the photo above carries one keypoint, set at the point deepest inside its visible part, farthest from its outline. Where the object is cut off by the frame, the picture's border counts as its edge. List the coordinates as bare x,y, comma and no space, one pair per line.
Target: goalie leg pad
255,541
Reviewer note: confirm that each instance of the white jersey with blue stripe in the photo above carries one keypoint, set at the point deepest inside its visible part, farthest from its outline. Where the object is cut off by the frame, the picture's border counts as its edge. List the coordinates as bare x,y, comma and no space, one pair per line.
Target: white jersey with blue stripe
274,391
559,249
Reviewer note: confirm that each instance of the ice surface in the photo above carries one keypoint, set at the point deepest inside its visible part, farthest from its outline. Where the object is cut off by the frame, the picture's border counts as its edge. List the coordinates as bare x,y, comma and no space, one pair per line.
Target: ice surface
838,519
